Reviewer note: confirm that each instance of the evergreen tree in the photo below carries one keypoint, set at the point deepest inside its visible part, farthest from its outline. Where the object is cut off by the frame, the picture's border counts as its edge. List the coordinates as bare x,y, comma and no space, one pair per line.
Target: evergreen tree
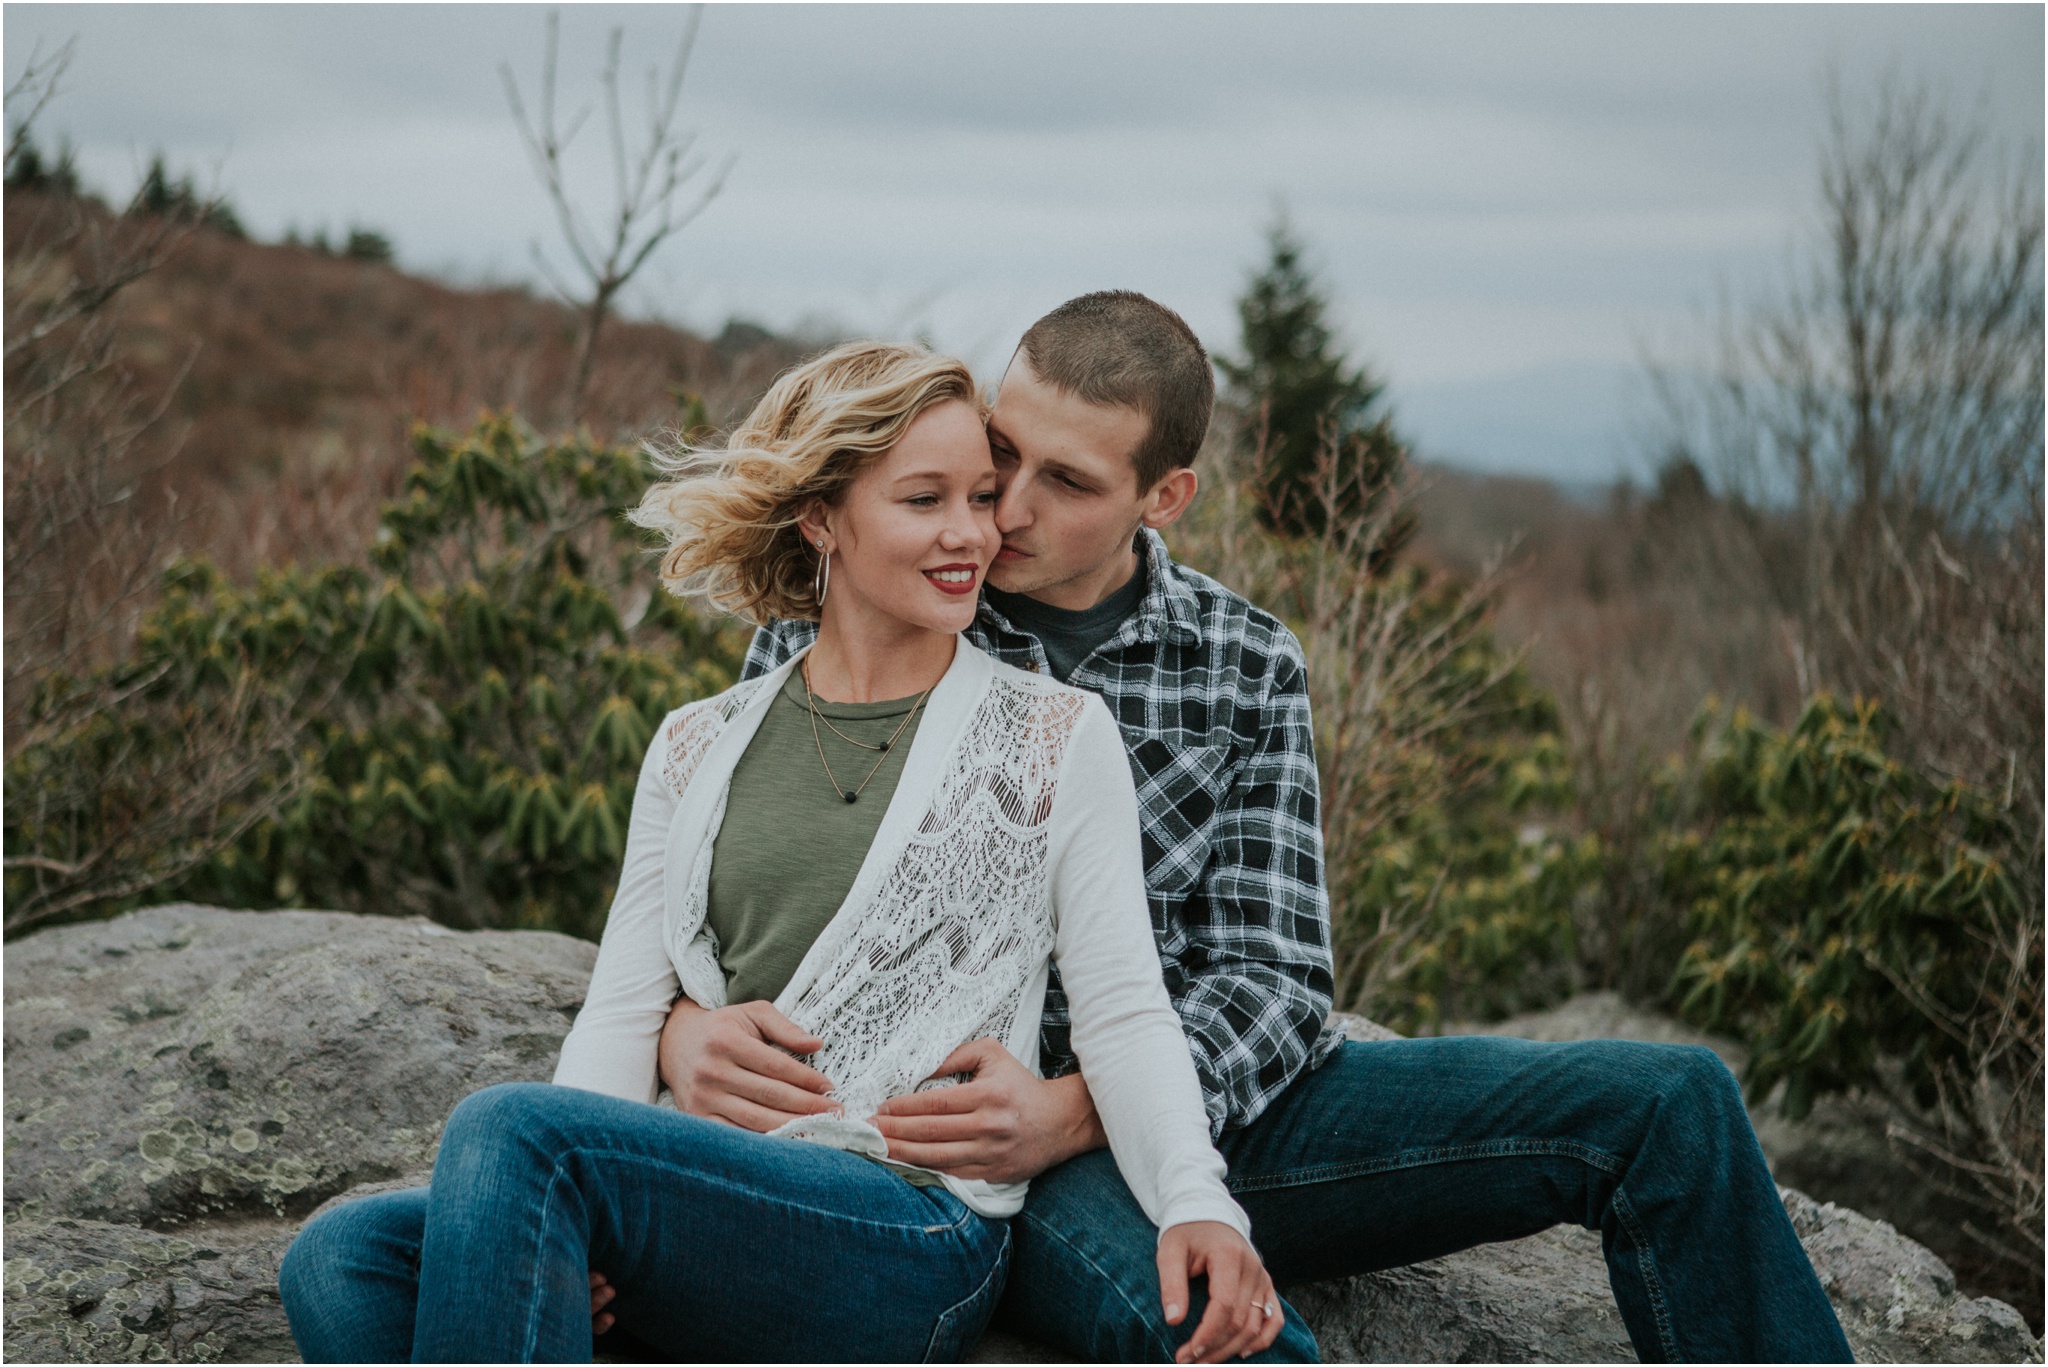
27,170
161,196
1296,392
366,245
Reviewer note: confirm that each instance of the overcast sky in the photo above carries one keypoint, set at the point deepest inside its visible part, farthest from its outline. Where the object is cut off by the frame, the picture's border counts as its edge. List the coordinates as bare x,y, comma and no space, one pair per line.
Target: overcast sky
1506,202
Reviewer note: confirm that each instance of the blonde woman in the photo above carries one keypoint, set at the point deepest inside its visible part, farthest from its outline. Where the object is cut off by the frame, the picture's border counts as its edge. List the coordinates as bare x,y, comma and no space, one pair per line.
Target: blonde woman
868,856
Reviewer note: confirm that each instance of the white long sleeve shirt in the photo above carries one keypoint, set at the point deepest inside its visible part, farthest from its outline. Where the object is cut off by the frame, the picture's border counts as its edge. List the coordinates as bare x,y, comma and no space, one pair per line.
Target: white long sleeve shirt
1011,841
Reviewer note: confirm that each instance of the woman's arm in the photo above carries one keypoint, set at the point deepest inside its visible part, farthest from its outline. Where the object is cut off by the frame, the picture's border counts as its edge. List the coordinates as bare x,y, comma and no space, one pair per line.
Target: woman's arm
1125,1032
611,1048
1135,1056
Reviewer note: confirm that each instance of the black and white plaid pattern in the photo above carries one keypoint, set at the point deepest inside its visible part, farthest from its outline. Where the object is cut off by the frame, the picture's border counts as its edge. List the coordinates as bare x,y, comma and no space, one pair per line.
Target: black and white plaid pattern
1212,696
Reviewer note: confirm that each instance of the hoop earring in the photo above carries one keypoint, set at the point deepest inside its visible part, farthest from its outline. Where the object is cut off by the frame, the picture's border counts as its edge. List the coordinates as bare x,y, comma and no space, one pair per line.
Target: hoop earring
822,580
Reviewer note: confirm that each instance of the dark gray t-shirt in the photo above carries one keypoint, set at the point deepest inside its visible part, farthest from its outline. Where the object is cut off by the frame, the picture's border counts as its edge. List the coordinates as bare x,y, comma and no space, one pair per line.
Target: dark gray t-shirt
1069,637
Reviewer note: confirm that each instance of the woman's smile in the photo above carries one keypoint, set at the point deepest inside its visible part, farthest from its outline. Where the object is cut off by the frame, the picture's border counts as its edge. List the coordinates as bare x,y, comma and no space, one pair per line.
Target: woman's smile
954,579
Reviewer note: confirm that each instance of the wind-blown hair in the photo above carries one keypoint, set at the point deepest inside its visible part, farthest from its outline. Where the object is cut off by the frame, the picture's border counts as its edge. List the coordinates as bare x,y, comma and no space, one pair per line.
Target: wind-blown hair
730,512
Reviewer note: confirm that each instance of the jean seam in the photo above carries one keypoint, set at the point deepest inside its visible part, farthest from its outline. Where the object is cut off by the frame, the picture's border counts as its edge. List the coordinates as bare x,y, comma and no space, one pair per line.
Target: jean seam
1137,1313
1653,1286
960,1222
996,1268
766,1198
1418,1158
547,1207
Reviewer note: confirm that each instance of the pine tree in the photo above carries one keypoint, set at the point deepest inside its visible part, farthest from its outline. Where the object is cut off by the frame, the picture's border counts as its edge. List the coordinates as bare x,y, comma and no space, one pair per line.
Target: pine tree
161,196
366,245
27,170
1294,391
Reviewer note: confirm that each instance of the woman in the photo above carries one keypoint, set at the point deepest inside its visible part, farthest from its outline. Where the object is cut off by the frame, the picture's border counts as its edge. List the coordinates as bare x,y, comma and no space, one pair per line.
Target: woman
878,849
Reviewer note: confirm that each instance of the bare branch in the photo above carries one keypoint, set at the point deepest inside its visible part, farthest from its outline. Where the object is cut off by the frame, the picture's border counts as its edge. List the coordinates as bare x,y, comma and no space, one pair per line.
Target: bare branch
647,181
32,92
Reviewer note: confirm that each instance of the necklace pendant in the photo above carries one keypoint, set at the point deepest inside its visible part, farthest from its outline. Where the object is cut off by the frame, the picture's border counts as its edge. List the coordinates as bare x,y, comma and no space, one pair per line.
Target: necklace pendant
883,747
853,797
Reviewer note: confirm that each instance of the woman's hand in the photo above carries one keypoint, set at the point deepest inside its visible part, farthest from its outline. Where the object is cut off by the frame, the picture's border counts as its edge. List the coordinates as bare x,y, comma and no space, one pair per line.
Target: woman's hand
734,1064
601,1293
1244,1315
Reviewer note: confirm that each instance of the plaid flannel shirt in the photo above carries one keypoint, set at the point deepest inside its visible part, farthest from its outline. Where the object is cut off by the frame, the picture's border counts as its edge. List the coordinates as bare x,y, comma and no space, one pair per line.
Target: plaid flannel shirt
1212,696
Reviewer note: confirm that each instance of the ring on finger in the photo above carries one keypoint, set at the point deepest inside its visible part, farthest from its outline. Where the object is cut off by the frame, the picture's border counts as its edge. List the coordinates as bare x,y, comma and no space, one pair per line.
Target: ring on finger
1270,1308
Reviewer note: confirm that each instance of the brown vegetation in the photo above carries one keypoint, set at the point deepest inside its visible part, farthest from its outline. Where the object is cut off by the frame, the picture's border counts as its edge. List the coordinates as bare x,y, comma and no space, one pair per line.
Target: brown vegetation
1850,501
287,380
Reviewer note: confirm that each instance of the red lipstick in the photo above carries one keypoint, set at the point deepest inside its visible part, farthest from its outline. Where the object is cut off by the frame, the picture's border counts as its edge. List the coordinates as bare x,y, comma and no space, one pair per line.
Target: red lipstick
956,587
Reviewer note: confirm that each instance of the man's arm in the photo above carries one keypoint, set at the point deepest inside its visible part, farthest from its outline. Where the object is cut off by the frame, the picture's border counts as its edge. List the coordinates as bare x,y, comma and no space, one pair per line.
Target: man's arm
1258,983
1005,1124
1255,990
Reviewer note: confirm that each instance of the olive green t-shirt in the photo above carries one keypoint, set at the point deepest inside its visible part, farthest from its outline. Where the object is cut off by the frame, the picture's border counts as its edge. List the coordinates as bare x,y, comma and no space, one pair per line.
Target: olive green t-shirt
790,846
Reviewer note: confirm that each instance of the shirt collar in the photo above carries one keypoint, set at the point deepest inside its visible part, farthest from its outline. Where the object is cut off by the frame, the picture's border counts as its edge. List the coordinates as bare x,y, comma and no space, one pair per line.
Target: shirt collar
1169,608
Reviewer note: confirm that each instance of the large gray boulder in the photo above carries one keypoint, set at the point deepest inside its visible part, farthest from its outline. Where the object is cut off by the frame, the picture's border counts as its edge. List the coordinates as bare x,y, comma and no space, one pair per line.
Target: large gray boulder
1837,1152
188,1063
185,1085
1546,1299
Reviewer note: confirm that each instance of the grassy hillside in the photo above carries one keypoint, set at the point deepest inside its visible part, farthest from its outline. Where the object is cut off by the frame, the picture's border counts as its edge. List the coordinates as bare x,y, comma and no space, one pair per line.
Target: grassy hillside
287,379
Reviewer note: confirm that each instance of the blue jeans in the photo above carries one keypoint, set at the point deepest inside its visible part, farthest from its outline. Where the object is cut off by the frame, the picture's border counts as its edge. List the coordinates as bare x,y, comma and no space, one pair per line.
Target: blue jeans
1405,1150
722,1244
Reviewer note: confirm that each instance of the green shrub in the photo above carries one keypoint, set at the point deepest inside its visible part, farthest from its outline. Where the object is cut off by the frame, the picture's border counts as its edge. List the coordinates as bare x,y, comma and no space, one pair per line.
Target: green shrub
1497,884
1473,859
468,714
1844,909
1451,892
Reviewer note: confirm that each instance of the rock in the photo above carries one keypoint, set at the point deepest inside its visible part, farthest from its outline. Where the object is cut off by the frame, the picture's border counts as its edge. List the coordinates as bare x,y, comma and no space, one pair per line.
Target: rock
1540,1299
186,1062
148,1204
1359,1028
86,1291
1546,1299
1603,1015
1838,1152
1896,1300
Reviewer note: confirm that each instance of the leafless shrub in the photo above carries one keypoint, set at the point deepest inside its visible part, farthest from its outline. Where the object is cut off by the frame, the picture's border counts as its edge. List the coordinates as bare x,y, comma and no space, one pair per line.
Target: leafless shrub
86,539
1876,434
658,188
1891,401
161,811
1379,642
1981,1142
83,541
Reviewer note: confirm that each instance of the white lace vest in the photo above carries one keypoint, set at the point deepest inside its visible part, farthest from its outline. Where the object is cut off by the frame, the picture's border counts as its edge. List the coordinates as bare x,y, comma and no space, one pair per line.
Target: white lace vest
948,926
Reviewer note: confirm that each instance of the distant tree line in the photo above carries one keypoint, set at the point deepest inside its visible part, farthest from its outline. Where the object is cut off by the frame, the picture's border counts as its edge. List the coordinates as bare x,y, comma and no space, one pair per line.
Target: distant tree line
163,195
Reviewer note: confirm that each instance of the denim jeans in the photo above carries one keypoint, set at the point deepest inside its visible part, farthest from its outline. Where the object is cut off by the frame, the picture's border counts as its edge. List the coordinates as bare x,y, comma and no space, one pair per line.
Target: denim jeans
723,1245
1400,1151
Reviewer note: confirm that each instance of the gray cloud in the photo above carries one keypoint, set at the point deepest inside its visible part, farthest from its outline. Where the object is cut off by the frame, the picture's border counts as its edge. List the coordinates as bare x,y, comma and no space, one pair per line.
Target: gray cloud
1494,193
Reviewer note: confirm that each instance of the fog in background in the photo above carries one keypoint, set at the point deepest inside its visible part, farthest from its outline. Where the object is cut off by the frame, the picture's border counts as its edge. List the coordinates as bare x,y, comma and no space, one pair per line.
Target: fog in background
1507,203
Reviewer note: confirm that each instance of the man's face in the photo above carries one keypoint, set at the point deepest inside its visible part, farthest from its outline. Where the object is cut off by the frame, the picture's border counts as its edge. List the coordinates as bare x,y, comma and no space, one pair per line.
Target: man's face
1070,501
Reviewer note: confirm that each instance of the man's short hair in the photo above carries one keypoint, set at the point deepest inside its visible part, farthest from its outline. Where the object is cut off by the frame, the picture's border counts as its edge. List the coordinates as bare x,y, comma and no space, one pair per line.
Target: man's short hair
1116,347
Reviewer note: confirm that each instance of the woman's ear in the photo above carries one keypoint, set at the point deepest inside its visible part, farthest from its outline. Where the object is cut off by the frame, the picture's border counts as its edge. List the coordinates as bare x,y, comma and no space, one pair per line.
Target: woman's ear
810,524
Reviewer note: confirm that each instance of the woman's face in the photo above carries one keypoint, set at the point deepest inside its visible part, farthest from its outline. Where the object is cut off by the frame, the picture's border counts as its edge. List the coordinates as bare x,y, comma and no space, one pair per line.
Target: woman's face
914,535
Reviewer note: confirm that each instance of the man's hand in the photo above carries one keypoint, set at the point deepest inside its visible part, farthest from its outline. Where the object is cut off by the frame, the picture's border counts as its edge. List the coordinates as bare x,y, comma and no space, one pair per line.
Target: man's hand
1002,1125
731,1065
1236,1324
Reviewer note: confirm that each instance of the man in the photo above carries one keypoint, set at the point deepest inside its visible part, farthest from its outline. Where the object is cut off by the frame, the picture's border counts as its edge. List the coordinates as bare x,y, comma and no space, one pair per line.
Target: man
1347,1157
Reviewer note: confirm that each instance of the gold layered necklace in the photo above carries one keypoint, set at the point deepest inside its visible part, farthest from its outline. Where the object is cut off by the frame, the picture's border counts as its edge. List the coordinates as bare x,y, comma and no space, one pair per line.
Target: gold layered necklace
811,706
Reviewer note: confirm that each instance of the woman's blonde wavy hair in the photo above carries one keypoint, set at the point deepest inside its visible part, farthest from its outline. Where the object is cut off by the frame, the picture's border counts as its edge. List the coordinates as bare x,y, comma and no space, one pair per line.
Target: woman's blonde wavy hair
730,513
